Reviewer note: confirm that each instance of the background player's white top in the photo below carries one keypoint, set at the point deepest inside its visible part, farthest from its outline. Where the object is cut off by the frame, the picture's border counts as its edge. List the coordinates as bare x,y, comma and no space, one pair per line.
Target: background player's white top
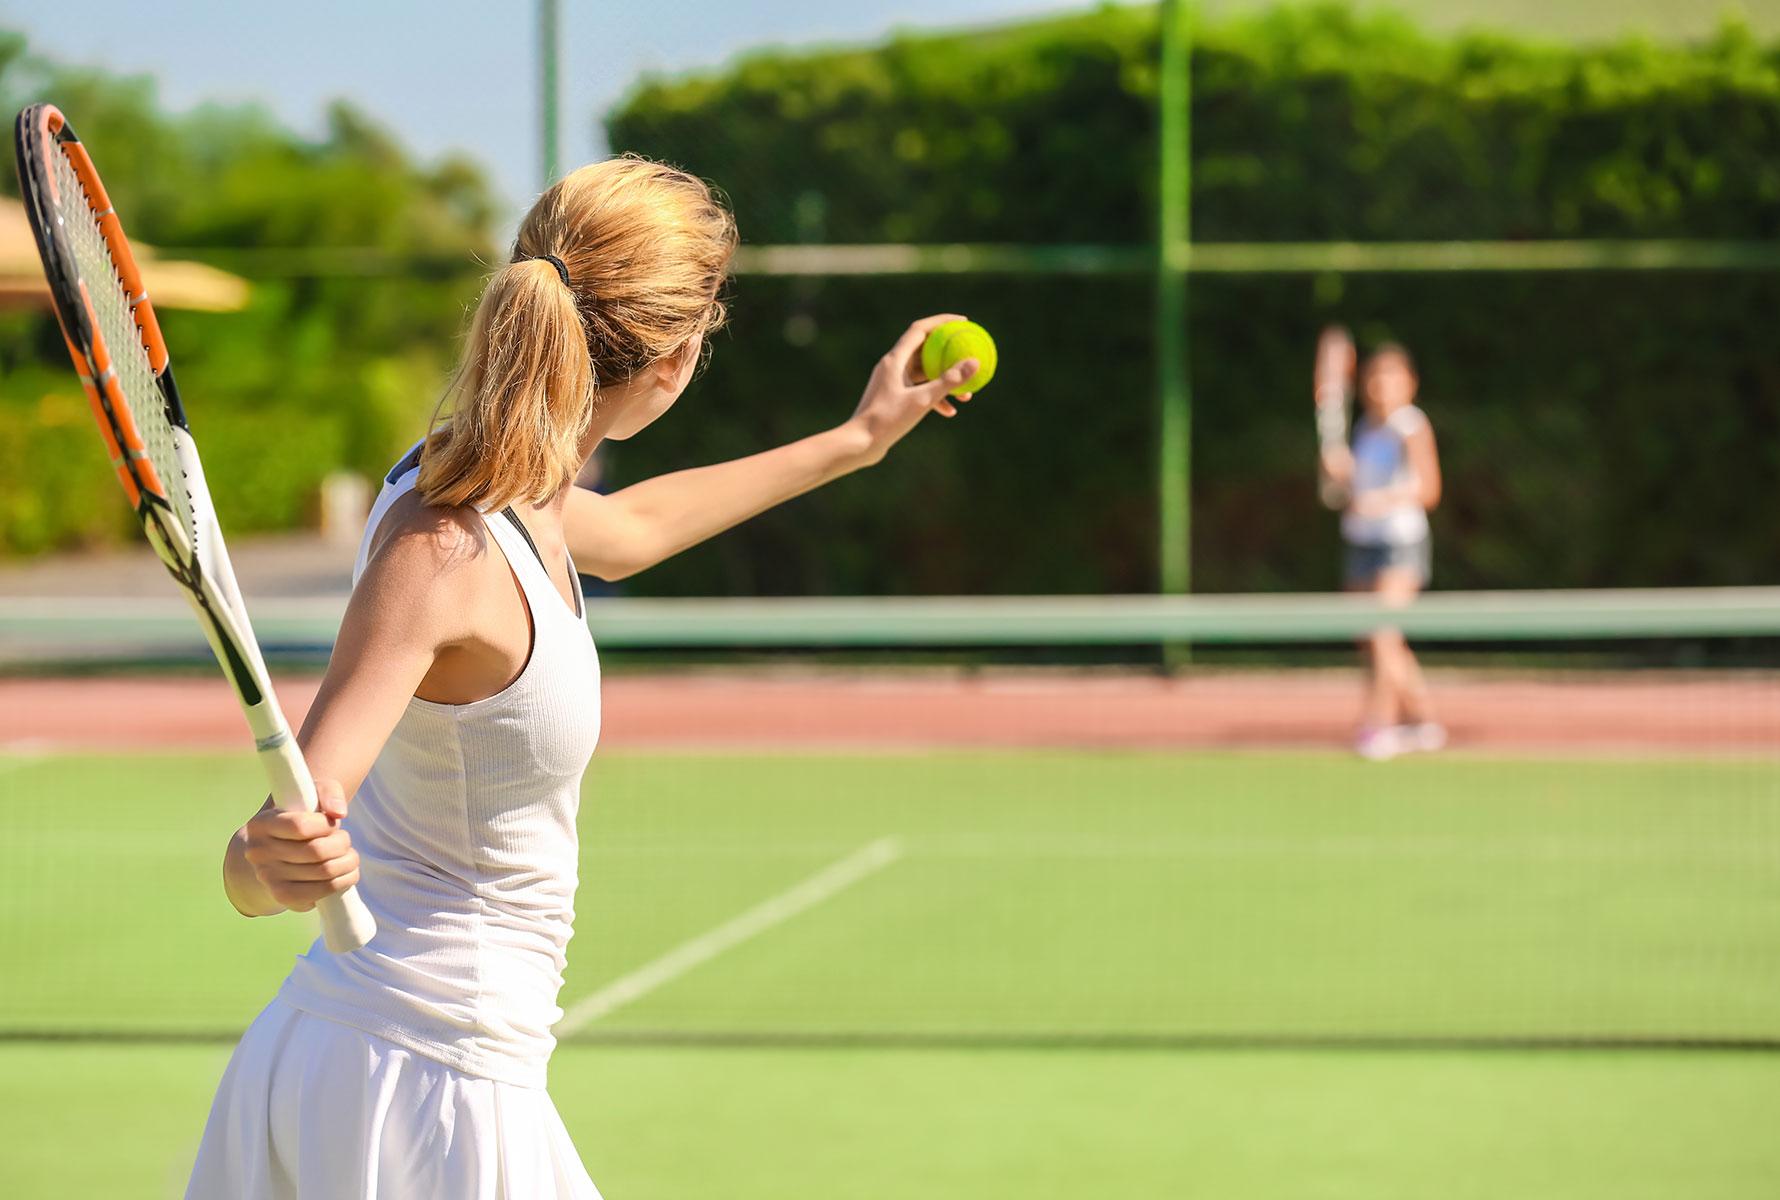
1381,460
465,830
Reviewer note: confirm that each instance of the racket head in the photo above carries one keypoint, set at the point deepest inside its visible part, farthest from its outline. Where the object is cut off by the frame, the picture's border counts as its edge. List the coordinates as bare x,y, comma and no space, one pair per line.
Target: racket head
109,324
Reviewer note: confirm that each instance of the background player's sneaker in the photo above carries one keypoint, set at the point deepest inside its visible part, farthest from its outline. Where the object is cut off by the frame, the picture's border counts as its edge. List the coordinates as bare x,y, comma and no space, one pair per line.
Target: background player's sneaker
1380,744
1426,735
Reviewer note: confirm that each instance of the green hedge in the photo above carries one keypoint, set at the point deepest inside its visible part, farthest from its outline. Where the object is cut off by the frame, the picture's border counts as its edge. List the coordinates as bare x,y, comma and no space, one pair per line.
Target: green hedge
1308,124
1596,429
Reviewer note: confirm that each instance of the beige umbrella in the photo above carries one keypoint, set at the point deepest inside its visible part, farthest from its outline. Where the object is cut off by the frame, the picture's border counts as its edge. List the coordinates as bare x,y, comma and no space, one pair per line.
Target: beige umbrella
170,284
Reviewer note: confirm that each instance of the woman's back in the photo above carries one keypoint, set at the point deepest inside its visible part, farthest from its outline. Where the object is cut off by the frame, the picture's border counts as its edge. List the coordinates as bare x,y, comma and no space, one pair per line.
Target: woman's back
466,833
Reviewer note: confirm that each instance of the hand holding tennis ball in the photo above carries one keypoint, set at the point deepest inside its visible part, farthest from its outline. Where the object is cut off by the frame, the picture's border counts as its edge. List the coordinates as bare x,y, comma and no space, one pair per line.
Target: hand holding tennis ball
952,343
933,366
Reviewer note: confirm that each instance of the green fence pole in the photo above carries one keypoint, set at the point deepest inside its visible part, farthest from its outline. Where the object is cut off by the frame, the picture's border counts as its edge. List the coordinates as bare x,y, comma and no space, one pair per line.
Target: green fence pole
549,13
1174,400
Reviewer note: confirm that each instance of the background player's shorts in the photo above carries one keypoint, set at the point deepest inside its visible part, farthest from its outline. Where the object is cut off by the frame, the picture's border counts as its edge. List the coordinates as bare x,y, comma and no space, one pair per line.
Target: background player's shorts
310,1109
1364,562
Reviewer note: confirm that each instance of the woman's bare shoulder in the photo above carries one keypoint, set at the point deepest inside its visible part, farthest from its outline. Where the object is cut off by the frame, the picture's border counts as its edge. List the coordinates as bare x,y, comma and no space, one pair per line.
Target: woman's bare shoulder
437,536
430,559
1409,419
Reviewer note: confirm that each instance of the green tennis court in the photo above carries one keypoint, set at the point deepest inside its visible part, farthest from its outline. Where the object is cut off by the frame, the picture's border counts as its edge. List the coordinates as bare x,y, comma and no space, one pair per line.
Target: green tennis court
999,974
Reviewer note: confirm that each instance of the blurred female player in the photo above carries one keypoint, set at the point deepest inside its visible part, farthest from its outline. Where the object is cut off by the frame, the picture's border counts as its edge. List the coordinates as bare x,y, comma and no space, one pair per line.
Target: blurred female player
1385,483
462,704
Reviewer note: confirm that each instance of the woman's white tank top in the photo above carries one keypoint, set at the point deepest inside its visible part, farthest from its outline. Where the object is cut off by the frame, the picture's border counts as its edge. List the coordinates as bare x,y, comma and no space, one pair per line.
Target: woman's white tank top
465,830
1381,460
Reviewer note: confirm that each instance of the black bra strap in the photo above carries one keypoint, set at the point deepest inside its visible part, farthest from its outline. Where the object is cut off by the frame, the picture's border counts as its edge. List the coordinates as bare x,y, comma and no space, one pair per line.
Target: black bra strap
527,535
524,533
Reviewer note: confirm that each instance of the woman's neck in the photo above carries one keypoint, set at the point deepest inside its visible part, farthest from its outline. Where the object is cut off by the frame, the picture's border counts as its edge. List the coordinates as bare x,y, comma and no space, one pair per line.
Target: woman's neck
547,514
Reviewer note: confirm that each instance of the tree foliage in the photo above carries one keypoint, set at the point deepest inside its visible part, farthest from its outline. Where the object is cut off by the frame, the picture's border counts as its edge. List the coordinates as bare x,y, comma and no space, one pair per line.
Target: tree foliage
319,372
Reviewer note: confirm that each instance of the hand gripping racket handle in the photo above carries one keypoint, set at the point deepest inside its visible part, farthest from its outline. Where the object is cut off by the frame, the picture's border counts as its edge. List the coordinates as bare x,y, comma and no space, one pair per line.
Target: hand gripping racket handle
346,924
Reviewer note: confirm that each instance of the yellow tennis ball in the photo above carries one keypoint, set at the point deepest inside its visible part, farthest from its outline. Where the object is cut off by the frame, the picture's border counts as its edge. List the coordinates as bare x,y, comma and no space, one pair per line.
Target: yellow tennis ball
952,343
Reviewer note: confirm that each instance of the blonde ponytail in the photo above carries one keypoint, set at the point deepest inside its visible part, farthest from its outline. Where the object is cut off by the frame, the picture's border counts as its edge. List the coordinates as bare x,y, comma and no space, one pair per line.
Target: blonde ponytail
644,250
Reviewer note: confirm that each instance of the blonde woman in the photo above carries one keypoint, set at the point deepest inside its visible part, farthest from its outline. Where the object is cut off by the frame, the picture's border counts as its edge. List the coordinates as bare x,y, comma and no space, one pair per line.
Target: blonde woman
462,704
1386,483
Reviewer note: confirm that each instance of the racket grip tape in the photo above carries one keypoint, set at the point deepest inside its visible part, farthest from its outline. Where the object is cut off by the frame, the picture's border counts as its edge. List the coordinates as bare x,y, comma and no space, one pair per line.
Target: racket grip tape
1331,420
346,924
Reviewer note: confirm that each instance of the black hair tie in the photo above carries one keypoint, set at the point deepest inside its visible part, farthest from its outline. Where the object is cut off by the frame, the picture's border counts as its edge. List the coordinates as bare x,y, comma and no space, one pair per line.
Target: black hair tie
557,263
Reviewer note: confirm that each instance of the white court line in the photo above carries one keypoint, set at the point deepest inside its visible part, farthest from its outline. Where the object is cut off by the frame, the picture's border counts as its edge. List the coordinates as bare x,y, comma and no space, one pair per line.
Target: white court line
28,745
713,849
868,859
1487,848
26,752
130,843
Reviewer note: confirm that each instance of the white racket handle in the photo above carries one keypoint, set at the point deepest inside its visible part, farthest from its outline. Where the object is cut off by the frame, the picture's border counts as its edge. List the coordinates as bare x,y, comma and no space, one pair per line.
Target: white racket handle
346,924
1331,417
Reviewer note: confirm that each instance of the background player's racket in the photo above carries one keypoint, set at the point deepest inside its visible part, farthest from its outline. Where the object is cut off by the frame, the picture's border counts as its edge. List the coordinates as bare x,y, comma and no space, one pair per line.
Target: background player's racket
1335,363
116,344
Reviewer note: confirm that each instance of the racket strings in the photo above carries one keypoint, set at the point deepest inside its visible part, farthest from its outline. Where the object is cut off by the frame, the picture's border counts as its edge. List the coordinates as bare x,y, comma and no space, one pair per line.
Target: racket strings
113,310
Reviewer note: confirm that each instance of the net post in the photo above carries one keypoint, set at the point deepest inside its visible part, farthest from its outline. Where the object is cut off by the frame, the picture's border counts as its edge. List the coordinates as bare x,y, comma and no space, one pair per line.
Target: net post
549,96
1174,403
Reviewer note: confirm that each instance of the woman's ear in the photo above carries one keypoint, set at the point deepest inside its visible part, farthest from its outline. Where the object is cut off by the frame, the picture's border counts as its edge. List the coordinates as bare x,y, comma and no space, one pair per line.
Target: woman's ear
677,368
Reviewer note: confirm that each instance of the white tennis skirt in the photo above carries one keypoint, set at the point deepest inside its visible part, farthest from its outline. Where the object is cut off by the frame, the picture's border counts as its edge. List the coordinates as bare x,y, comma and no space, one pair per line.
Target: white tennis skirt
310,1109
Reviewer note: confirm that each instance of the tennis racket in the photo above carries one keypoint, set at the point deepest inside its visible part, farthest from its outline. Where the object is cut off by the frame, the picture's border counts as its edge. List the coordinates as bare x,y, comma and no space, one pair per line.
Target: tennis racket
118,352
1335,362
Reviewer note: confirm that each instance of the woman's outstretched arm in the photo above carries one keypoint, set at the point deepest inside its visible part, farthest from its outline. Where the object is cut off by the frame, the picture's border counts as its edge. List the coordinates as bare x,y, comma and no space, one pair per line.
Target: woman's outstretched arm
623,533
